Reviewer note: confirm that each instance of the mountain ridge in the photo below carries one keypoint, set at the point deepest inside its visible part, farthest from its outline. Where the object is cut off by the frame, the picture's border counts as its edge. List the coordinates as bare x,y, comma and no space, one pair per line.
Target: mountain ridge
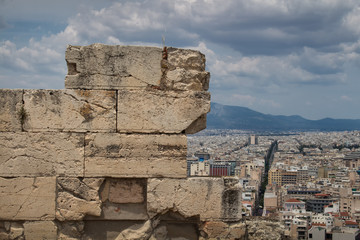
236,117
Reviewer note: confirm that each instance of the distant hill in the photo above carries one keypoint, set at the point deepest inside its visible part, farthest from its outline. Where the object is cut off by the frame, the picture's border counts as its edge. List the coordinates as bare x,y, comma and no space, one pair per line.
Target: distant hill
234,117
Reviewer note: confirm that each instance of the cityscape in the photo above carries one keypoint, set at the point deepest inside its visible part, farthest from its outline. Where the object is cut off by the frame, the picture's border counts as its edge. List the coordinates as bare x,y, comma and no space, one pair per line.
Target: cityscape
307,180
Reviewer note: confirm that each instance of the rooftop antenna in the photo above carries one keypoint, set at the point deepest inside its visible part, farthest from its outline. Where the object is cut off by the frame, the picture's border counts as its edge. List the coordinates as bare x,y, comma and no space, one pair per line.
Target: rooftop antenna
164,52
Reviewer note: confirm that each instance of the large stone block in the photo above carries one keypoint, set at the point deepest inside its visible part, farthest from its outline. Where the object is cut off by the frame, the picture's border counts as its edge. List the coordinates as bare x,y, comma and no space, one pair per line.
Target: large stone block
99,66
115,145
184,69
161,111
10,107
41,154
204,197
135,155
70,110
27,198
186,58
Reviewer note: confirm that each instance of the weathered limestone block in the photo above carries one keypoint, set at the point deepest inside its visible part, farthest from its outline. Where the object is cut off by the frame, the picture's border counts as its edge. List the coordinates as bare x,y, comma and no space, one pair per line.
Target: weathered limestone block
41,154
40,230
70,230
123,199
27,198
135,167
206,197
161,112
186,58
10,107
135,155
124,190
186,80
70,110
77,198
115,145
100,66
184,70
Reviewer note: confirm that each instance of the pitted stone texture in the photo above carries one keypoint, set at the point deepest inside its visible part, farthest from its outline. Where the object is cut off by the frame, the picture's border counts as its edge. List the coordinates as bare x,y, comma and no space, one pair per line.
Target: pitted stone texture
187,59
263,230
41,154
187,80
77,198
190,197
135,155
185,70
99,66
161,112
40,230
27,198
70,110
10,105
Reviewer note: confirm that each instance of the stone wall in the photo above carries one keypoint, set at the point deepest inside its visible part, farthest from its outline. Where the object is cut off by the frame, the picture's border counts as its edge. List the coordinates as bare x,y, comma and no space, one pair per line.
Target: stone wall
105,158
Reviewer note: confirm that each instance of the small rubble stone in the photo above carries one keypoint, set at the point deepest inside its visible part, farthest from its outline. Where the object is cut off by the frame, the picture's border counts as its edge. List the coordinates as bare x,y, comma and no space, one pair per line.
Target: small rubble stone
77,198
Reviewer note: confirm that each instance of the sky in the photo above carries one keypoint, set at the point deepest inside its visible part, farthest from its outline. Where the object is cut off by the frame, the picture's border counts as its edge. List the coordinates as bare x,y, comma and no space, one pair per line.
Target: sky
281,57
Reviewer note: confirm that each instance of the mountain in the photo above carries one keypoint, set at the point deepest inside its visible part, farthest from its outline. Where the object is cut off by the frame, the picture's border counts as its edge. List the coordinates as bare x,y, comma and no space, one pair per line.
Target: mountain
234,117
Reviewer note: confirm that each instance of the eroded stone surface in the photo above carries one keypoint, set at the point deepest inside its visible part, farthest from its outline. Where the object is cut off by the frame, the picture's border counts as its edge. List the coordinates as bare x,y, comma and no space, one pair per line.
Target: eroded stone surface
115,145
70,110
10,106
160,112
77,198
100,66
41,154
186,58
184,70
27,198
11,231
135,155
191,197
126,190
40,230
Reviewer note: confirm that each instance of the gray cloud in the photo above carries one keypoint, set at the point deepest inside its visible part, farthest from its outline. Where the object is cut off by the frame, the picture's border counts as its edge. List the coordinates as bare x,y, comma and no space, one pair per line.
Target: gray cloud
265,55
